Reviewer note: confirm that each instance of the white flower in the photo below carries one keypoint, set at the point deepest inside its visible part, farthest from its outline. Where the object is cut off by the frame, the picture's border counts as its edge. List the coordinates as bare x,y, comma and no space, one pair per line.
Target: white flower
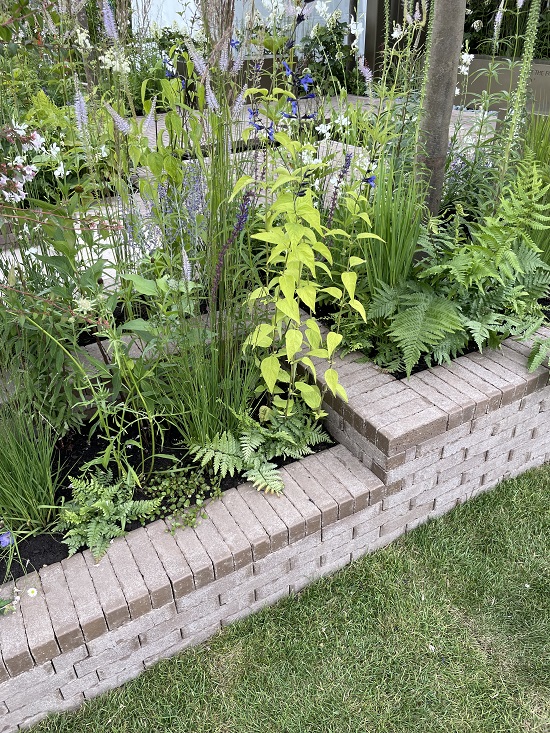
84,305
431,647
32,592
324,130
477,25
342,120
54,150
356,27
115,59
60,171
397,32
457,91
322,9
103,151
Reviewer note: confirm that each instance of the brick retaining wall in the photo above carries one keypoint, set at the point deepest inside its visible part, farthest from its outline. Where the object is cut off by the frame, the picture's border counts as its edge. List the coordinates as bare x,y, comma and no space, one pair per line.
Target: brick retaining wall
409,451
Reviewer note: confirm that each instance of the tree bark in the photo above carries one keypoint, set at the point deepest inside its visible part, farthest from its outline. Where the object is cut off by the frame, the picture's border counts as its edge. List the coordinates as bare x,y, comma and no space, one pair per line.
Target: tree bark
446,42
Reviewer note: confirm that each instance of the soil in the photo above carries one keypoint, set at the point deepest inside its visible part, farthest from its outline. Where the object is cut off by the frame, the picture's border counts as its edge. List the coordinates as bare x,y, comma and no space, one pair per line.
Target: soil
72,452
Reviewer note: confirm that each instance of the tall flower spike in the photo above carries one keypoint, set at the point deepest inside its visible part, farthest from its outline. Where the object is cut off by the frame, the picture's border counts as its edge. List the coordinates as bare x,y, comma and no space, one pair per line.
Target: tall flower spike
365,71
148,121
120,123
211,100
198,61
109,22
498,21
80,111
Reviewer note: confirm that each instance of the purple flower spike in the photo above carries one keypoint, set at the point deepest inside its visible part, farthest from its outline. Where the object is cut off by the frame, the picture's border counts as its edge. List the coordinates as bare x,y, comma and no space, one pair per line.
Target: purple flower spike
6,539
121,124
305,81
109,22
80,110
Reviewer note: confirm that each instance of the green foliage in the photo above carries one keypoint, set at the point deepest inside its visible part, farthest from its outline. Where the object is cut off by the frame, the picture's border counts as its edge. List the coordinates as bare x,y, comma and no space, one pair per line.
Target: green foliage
182,492
99,511
28,476
275,436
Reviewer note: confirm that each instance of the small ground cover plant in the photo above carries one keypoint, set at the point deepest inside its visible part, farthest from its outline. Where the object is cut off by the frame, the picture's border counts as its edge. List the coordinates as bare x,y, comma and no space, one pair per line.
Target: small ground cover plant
168,272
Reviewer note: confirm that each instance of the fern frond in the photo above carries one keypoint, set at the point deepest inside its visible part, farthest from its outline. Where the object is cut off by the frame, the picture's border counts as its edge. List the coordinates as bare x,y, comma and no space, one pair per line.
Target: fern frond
266,476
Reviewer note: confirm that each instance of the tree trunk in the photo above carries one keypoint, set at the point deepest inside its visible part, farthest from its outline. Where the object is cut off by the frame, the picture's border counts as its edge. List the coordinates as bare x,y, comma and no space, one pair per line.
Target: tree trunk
446,42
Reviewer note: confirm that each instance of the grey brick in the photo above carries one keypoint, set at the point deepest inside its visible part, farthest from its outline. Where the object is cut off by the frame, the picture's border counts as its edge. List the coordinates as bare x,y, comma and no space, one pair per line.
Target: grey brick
299,497
61,607
129,577
294,520
232,534
196,556
67,660
174,563
40,634
358,480
108,590
151,568
411,430
266,516
315,491
213,543
119,652
86,603
248,522
332,485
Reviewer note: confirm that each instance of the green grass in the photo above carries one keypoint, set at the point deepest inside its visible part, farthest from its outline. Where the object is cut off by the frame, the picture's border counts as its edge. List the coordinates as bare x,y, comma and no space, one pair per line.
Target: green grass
446,630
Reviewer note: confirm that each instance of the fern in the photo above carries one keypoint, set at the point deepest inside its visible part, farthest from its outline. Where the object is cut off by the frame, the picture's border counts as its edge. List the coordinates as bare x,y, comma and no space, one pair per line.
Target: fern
277,436
223,451
424,322
265,476
99,511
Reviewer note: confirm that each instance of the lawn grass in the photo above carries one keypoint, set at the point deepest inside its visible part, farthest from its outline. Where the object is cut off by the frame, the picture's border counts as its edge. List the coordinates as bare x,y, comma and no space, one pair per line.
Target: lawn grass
448,629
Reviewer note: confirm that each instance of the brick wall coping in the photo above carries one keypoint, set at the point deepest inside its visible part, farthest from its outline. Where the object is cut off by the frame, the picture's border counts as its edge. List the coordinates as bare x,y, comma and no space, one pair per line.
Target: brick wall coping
409,451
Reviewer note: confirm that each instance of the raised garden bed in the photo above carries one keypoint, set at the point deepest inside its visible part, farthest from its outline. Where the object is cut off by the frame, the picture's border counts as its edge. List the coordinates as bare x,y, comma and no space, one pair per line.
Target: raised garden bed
409,451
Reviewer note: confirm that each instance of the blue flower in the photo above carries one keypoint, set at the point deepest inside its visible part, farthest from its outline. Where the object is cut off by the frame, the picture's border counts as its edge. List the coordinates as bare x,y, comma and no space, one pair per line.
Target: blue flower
235,44
371,180
305,81
286,67
270,132
6,539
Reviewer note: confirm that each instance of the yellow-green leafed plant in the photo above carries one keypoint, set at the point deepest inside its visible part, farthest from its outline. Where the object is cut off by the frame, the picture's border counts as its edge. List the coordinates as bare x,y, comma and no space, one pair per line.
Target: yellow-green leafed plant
288,340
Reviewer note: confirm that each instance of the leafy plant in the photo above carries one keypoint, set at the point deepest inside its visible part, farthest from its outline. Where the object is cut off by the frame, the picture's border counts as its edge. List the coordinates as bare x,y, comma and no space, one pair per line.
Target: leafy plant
182,492
251,453
99,511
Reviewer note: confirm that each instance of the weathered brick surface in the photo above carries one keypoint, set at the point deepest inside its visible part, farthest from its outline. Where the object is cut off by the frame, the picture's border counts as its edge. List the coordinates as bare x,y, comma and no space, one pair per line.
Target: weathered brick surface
414,450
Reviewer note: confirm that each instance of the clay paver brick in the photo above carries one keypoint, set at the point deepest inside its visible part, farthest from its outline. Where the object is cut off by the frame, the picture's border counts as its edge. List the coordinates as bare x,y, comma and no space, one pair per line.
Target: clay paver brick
61,607
197,558
108,590
368,384
171,557
453,408
86,602
40,633
232,534
410,404
332,485
412,430
150,567
248,522
129,577
514,384
316,493
13,643
299,497
213,543
290,515
357,478
448,391
492,395
361,408
517,362
266,515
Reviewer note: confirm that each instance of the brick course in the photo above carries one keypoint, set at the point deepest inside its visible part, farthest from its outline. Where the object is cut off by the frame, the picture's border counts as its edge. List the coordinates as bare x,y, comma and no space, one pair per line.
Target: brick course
409,451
